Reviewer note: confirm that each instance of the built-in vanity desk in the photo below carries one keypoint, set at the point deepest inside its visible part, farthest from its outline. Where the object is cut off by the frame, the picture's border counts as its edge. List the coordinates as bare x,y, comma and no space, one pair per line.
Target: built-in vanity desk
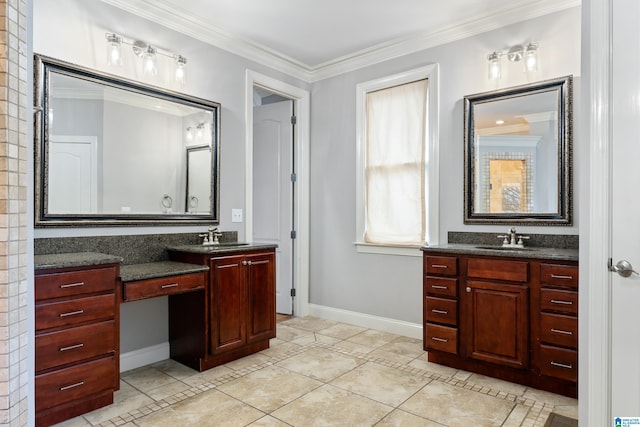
221,307
503,312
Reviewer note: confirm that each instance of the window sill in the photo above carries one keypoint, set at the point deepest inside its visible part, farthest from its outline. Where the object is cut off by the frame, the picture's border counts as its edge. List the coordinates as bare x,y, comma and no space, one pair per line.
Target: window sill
401,250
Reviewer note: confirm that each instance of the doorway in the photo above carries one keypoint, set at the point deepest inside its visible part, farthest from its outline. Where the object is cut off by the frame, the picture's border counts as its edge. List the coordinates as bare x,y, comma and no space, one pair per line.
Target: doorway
299,188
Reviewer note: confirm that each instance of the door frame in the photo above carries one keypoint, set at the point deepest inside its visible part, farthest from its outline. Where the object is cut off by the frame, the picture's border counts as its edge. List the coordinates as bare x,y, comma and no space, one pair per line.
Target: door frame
595,287
301,192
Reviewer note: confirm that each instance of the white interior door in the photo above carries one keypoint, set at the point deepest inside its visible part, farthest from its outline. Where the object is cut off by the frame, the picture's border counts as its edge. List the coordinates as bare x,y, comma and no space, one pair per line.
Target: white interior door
625,232
273,191
73,174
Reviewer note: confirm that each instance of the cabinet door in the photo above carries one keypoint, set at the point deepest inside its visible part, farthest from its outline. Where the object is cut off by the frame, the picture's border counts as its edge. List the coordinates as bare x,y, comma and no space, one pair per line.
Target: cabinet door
498,323
261,294
228,302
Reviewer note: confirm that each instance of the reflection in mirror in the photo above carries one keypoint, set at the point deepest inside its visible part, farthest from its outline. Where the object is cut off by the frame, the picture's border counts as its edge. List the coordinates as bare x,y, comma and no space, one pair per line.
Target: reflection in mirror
518,155
198,182
111,151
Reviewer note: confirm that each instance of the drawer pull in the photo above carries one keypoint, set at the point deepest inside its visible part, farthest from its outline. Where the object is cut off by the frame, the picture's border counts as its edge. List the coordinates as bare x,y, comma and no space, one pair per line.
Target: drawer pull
71,313
438,266
439,339
561,365
71,285
558,276
71,347
171,285
435,310
439,287
561,302
67,387
560,331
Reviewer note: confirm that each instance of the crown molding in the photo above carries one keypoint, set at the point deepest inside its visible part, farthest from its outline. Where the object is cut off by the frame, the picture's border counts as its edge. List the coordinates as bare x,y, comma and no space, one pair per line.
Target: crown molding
175,19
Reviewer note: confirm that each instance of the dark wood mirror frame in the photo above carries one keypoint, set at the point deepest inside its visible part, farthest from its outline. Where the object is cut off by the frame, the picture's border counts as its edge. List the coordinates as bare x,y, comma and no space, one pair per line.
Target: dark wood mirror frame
43,67
562,216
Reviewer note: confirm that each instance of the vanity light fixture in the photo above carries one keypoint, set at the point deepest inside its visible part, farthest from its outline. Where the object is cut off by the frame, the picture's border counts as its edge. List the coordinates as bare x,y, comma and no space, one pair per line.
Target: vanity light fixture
147,53
517,53
189,133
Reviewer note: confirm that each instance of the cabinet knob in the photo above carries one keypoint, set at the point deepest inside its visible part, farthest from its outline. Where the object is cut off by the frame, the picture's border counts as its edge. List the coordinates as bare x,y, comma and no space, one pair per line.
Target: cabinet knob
244,262
468,289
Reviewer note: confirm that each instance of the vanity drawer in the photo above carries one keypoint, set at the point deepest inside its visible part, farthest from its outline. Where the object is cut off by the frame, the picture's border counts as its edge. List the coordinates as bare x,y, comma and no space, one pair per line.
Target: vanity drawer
559,300
559,275
141,289
74,344
441,338
441,310
498,269
559,363
441,286
441,265
75,311
72,283
559,330
76,382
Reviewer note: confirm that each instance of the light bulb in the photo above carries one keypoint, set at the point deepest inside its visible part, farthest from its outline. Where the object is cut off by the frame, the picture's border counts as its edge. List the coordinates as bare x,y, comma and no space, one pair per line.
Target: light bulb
531,58
114,52
181,72
149,62
494,66
189,134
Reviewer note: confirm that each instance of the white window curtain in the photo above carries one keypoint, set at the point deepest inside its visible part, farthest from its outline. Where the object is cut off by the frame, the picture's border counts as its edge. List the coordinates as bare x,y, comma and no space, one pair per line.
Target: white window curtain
396,164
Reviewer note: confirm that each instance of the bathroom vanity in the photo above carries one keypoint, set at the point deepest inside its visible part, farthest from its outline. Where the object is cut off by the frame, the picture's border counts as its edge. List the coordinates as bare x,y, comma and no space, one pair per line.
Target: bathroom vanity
221,302
509,314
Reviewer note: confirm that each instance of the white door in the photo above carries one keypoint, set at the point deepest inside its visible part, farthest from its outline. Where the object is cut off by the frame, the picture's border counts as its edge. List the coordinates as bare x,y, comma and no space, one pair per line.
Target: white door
73,174
273,191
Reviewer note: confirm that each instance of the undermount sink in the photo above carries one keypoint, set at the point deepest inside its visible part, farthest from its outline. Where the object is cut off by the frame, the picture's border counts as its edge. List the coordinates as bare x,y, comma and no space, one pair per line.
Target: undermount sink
507,248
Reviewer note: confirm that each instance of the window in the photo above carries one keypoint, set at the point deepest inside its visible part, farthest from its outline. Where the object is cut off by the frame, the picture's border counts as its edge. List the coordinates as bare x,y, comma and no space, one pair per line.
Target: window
397,163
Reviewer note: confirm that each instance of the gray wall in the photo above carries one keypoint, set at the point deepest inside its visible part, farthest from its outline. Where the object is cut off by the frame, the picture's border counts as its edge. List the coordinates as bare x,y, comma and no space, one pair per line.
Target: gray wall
379,285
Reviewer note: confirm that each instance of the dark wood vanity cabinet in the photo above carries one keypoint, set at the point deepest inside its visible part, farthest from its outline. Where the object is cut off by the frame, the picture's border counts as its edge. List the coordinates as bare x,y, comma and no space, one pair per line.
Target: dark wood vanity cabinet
510,318
239,306
76,341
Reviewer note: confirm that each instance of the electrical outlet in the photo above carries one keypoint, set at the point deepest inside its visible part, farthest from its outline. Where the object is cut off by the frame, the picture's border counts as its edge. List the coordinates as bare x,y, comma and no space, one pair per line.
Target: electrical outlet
236,215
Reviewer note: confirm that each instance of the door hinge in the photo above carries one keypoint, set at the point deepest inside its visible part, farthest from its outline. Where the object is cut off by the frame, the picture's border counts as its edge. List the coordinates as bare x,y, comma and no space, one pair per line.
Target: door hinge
293,292
293,234
293,120
294,177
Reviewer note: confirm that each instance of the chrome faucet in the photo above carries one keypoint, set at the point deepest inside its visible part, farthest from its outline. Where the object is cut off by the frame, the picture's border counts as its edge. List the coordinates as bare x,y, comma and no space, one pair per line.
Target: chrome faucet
512,239
211,237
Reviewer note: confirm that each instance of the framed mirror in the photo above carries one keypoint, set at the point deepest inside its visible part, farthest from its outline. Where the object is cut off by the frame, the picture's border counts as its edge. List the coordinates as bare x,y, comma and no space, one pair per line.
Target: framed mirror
518,155
111,151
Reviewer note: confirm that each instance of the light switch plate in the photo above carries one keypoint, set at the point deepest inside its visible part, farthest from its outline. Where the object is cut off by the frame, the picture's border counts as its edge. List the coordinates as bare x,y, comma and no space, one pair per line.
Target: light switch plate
236,215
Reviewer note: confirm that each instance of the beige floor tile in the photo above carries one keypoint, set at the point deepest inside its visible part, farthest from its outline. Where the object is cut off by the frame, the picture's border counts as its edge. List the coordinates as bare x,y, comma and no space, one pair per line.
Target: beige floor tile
391,356
342,331
551,398
252,361
309,323
286,333
567,411
497,385
517,416
355,347
405,346
74,422
270,388
332,406
125,400
209,376
167,390
400,418
281,350
463,407
313,338
174,369
209,409
147,378
268,421
373,338
386,385
321,364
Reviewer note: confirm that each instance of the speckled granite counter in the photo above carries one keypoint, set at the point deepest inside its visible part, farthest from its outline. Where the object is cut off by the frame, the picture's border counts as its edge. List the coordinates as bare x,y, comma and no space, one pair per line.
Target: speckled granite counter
152,270
221,249
527,252
73,259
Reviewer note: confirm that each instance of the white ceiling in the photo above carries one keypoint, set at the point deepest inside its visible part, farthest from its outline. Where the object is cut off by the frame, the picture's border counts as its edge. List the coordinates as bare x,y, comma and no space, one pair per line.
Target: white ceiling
307,37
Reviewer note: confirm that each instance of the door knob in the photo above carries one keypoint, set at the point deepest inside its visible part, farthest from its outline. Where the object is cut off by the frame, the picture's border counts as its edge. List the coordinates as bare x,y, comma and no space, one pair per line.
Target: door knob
623,268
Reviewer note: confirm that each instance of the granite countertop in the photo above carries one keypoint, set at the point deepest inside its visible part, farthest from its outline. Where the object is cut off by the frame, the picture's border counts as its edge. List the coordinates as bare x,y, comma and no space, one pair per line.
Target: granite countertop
73,259
222,248
526,252
153,270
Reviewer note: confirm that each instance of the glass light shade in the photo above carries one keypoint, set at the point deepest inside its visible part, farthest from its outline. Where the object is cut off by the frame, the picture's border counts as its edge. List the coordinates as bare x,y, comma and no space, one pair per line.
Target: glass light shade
114,51
495,70
531,58
149,62
189,134
181,72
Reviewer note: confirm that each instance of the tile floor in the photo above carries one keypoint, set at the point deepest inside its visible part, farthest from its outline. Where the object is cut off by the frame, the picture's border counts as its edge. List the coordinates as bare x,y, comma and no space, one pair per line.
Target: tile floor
324,373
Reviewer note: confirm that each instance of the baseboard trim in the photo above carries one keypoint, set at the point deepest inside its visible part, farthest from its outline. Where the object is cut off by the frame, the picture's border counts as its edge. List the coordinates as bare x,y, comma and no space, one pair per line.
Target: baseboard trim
144,356
385,324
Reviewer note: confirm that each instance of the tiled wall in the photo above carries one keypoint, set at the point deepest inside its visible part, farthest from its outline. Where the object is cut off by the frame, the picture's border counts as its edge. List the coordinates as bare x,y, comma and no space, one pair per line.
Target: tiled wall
13,214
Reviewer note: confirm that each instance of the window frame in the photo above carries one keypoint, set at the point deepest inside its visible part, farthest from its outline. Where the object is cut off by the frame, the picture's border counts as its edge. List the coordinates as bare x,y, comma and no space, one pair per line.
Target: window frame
429,72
